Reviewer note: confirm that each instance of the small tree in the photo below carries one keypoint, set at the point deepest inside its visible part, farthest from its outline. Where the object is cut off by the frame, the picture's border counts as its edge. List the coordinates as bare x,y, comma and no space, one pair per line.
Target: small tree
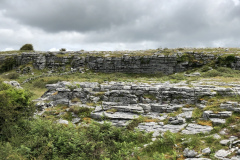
62,49
27,47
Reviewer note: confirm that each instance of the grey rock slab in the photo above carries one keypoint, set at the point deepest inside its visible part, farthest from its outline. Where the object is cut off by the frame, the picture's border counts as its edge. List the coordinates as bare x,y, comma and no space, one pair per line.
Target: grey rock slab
187,114
195,128
222,153
189,153
235,158
97,115
206,151
224,142
62,101
223,132
216,136
217,121
232,138
160,127
61,121
76,120
173,128
121,115
133,109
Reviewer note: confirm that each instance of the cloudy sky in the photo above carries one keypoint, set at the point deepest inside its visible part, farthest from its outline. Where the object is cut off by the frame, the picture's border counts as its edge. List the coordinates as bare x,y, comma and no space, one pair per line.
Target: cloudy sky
119,24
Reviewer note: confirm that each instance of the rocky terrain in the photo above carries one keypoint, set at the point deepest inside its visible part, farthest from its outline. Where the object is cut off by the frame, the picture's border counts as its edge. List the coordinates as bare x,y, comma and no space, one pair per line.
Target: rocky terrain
167,106
206,109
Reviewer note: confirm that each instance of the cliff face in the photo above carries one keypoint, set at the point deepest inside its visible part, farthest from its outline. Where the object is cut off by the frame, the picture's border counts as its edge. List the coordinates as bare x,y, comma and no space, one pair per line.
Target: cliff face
156,63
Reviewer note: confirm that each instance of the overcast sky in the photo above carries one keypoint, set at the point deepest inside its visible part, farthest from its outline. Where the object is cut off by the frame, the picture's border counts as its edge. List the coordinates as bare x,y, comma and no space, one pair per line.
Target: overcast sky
119,24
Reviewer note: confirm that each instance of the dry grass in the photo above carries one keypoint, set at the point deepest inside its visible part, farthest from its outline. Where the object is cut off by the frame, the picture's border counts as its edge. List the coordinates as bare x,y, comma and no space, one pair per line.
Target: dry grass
112,110
151,120
204,123
87,120
55,93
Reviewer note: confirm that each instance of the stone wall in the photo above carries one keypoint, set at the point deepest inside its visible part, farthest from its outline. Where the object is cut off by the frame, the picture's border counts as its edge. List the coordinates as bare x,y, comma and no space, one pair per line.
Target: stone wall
156,63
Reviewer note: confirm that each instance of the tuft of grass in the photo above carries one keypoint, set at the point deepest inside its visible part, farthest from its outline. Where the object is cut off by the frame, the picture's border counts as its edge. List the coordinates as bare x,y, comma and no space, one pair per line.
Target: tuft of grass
204,123
112,110
81,111
197,113
150,96
74,100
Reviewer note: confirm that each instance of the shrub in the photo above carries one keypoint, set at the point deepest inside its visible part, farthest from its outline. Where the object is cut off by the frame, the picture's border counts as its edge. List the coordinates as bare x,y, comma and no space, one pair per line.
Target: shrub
15,105
62,49
27,47
226,60
43,139
212,73
8,64
205,68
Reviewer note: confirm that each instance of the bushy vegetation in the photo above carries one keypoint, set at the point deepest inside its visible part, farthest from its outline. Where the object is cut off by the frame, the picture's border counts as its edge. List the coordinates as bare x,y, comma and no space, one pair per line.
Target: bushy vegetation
42,139
62,49
8,64
27,47
15,105
221,72
12,75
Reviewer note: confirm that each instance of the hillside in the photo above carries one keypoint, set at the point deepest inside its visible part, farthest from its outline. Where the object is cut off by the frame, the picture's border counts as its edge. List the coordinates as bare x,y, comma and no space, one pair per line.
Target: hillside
154,104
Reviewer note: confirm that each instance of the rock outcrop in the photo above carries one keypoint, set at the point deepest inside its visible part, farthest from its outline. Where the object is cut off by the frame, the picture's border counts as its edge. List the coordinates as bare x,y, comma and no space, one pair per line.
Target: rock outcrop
128,63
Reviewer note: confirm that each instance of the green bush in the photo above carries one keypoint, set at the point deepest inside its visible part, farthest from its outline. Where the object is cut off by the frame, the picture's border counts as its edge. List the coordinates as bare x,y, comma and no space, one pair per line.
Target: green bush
27,47
226,60
15,105
8,64
62,49
212,73
205,68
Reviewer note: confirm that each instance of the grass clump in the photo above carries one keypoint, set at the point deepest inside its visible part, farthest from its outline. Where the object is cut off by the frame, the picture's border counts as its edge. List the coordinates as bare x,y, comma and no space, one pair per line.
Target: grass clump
204,123
197,113
221,72
150,96
12,75
81,111
163,147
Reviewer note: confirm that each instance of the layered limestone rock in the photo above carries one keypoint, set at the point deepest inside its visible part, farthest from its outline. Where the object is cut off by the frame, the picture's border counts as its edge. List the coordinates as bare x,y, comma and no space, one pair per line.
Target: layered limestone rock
156,63
121,102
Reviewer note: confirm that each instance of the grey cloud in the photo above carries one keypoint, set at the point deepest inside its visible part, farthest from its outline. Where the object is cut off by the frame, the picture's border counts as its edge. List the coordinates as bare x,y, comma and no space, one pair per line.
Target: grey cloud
172,23
72,15
192,22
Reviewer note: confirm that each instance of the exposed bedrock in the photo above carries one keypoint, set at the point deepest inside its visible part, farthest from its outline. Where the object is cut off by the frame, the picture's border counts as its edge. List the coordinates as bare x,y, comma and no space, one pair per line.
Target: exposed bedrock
156,63
120,102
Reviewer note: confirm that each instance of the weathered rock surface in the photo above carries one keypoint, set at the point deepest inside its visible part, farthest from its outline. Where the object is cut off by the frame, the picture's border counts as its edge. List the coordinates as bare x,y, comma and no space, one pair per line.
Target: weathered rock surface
163,105
155,63
195,128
